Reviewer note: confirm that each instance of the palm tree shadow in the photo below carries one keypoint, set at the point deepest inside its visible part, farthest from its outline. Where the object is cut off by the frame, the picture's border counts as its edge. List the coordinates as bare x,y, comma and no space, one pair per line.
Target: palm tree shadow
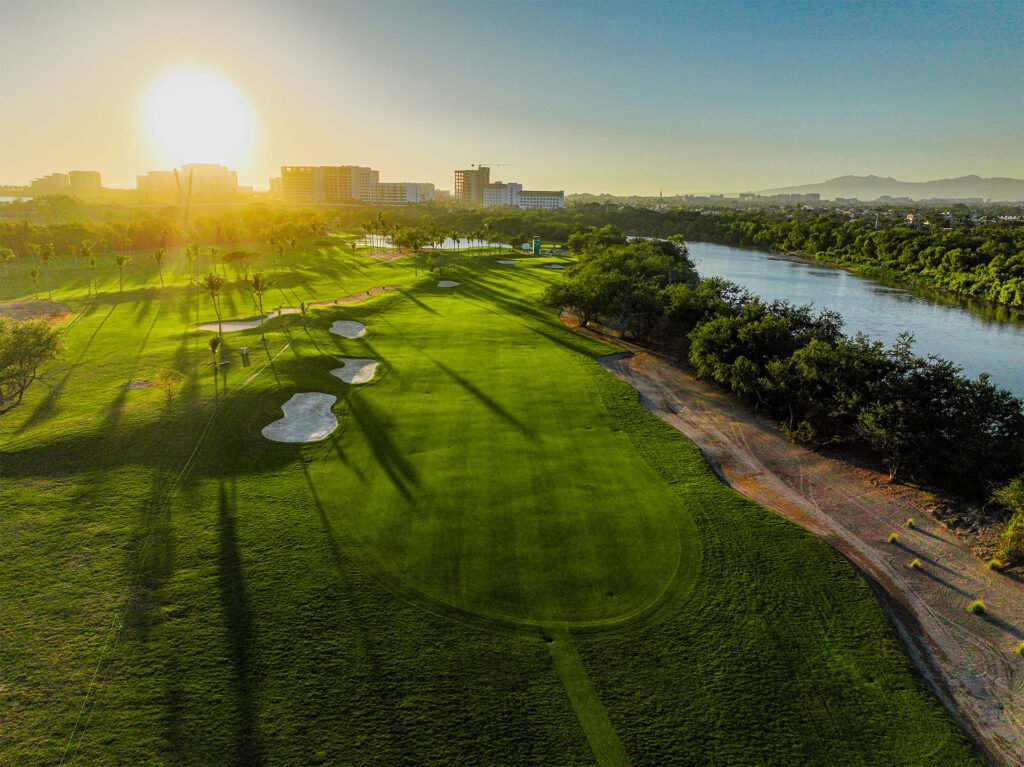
239,626
400,471
493,405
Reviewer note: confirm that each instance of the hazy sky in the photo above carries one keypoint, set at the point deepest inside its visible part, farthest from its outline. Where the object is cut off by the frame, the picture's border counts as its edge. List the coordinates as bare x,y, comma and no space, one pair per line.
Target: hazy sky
621,97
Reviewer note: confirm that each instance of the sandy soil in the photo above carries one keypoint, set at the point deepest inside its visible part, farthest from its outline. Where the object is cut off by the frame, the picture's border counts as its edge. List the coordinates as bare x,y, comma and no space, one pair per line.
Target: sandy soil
968,659
505,261
307,418
356,297
231,326
386,254
24,310
554,266
348,328
447,283
355,370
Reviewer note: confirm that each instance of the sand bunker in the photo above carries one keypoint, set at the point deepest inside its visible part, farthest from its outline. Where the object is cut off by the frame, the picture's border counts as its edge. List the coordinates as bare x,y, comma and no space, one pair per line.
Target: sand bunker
348,328
356,370
447,284
137,384
554,266
24,310
307,418
506,261
231,326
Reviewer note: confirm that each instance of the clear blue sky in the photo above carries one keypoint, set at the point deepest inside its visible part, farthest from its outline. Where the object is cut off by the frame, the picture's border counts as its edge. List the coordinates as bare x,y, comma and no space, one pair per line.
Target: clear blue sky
622,97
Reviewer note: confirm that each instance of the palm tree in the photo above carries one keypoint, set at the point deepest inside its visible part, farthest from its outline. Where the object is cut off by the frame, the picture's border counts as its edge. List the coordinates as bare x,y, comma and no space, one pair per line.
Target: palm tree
214,252
259,285
85,250
92,275
122,260
191,253
212,285
34,274
455,237
214,345
47,255
158,256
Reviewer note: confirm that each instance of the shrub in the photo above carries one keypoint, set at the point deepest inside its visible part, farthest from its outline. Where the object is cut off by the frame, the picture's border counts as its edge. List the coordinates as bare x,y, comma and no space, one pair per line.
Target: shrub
977,607
1020,649
894,538
909,524
915,564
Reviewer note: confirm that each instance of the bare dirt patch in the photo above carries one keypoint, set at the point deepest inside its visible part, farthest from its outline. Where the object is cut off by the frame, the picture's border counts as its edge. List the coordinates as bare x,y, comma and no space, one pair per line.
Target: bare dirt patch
967,659
447,283
25,310
385,254
137,384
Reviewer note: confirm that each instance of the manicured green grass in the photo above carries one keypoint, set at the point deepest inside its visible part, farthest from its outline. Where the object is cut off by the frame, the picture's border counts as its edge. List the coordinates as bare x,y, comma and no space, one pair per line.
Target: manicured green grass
381,597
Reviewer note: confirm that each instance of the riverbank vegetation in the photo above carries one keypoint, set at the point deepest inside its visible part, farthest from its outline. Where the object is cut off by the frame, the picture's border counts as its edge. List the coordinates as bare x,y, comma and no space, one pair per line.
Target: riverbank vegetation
921,416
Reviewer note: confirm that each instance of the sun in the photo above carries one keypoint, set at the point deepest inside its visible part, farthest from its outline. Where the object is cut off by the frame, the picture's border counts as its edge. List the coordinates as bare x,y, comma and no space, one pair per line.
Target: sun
192,114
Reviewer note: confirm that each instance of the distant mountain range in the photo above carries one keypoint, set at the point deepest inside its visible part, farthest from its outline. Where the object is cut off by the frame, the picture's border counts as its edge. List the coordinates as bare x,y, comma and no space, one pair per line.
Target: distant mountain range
872,187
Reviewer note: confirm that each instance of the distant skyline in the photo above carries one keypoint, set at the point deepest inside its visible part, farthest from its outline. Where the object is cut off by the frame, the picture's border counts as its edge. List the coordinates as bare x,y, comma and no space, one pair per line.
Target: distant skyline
625,98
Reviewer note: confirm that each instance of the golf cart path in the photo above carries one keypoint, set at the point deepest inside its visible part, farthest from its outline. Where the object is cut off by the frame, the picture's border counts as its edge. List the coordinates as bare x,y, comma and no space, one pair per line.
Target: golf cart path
969,660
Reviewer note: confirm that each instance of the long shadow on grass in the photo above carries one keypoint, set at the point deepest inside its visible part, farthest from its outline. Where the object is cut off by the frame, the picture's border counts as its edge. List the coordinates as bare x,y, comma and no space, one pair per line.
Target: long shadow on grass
400,471
240,630
491,403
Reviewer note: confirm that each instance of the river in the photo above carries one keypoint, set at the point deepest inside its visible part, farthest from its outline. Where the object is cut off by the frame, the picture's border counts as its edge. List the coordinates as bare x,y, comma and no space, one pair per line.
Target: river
978,341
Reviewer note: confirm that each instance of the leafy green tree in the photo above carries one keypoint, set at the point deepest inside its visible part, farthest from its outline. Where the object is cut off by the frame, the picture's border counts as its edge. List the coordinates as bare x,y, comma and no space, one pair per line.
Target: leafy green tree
169,381
25,346
1011,542
34,274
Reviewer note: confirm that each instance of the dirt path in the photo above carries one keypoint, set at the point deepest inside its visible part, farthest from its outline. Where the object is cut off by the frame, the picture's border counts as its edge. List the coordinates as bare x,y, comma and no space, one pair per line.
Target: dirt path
968,659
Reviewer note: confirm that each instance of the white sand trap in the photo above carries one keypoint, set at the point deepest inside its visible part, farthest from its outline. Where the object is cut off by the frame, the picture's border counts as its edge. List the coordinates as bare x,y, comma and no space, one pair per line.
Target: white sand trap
554,266
348,328
231,326
356,370
506,261
447,284
307,418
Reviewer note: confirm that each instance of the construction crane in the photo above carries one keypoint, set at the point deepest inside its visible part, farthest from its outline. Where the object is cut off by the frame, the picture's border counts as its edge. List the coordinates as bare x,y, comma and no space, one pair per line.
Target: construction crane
489,164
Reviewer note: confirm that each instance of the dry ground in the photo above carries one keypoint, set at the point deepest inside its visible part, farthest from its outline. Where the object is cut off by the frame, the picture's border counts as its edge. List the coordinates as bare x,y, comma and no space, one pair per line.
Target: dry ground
23,310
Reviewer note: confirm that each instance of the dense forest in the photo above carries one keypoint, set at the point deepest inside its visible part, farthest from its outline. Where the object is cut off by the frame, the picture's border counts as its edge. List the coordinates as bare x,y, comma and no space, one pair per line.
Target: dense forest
920,416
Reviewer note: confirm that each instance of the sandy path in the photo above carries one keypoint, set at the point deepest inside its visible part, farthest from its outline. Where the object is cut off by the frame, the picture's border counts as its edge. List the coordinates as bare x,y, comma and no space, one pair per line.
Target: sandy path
232,326
967,659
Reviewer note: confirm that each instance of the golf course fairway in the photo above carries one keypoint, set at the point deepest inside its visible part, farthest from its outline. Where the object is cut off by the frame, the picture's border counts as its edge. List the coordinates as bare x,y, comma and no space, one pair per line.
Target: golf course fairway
498,557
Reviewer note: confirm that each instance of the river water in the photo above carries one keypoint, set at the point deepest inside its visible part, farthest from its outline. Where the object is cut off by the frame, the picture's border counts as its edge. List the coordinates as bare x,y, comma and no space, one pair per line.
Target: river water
989,341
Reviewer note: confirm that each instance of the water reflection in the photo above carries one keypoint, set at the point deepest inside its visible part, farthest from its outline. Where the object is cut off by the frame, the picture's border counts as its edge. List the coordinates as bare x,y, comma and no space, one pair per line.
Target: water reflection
978,336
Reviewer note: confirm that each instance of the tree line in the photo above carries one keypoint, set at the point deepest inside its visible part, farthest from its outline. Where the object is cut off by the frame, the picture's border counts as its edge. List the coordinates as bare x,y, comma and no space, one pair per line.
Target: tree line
921,416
